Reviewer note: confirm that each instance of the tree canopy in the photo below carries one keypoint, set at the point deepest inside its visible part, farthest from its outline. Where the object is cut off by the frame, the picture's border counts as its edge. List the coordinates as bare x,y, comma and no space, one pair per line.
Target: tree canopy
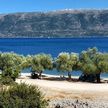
94,62
90,61
11,64
65,62
41,62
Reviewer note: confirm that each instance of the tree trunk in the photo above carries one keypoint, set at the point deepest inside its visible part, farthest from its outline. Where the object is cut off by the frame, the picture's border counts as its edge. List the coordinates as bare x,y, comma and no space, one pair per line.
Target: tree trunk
98,77
40,74
69,75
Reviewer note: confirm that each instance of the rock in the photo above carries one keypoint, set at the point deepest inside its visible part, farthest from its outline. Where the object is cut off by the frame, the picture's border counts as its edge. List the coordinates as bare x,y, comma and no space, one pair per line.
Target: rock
57,106
72,103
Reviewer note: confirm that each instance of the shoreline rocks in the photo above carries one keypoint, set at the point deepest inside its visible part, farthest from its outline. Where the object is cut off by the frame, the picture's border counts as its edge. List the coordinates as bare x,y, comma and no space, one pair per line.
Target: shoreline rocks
77,103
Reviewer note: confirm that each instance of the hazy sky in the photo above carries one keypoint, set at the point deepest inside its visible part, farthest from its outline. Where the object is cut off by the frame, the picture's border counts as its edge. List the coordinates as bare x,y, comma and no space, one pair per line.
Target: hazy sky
7,6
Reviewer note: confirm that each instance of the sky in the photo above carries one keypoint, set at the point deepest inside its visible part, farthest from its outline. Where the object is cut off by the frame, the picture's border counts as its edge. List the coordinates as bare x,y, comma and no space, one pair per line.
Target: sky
12,6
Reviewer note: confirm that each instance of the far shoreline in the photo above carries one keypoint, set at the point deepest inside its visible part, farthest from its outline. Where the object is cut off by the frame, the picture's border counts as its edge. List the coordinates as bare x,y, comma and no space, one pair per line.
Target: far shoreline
73,37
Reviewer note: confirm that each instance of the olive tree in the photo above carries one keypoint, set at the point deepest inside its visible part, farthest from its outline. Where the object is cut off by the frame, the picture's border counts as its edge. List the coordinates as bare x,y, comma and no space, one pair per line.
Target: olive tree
101,62
10,64
27,61
41,62
65,62
94,62
87,62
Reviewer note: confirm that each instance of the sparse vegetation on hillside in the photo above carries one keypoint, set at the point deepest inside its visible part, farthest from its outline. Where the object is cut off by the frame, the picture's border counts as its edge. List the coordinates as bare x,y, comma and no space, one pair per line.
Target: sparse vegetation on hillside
65,23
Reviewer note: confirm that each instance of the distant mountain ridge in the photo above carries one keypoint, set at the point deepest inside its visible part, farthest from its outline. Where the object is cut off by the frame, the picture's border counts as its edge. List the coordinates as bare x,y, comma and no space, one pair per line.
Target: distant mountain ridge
64,23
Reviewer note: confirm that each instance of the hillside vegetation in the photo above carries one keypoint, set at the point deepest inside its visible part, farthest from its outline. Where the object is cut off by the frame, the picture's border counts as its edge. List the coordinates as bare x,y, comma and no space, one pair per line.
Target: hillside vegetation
64,23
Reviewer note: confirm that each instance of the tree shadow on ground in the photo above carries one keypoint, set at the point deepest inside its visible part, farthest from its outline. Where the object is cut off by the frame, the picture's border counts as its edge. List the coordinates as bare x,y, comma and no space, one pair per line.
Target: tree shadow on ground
60,79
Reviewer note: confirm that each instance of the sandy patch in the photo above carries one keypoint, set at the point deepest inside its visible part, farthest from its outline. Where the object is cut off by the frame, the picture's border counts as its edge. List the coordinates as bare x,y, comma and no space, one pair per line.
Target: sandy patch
62,89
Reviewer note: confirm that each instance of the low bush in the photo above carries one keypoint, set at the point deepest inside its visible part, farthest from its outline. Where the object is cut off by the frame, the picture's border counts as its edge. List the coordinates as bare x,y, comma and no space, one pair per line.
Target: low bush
7,81
22,96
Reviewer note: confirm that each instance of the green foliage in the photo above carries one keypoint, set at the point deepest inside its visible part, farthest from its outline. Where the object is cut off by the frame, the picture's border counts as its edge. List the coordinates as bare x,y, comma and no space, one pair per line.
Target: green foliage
6,81
36,64
89,68
10,64
63,62
22,96
66,62
27,61
93,62
41,62
102,62
87,60
90,61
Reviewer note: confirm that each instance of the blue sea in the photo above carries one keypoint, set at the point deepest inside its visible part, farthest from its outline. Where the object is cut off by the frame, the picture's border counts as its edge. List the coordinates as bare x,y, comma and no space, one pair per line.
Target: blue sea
52,46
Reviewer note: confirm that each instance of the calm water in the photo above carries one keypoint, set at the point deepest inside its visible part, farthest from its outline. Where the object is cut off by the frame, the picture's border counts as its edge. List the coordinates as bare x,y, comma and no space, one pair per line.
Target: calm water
52,46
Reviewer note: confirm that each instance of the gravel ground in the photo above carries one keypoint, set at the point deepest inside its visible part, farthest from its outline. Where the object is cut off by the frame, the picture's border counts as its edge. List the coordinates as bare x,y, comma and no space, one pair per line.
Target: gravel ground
63,94
74,103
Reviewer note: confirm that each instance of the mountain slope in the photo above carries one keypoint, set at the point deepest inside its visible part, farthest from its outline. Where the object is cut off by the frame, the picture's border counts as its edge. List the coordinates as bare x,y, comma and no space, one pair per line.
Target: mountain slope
64,23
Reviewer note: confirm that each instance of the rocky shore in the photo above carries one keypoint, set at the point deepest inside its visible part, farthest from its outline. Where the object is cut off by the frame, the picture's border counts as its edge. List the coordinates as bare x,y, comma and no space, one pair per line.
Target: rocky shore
75,103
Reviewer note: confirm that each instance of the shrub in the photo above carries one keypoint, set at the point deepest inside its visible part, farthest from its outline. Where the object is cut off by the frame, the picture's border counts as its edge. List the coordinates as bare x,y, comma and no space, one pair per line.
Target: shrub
22,96
7,81
11,64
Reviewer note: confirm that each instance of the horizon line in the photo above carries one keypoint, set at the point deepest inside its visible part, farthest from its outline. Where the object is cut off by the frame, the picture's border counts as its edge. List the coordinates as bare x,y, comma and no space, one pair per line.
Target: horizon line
48,11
